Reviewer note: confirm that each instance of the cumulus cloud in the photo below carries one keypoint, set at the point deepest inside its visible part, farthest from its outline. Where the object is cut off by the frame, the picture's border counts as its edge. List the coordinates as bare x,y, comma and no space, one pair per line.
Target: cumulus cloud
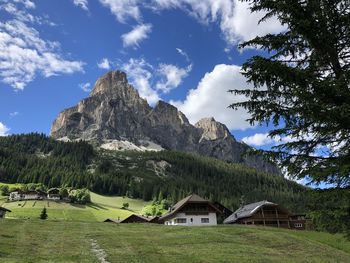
83,4
104,64
233,16
211,98
24,54
3,129
136,35
140,75
171,76
86,87
262,139
153,81
123,9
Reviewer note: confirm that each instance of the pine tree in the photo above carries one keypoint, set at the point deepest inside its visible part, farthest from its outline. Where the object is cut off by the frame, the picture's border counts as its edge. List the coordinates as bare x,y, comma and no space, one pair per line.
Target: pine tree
43,214
302,86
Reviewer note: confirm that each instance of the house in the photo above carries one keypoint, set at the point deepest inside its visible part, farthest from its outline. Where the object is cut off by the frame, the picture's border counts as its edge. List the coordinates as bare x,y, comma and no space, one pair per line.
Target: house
297,221
261,213
193,210
3,211
16,195
225,212
135,219
30,195
53,194
41,194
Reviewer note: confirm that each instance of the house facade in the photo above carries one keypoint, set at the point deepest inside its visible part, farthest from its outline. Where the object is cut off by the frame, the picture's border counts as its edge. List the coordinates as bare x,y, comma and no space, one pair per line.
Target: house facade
3,211
297,221
18,195
263,213
193,210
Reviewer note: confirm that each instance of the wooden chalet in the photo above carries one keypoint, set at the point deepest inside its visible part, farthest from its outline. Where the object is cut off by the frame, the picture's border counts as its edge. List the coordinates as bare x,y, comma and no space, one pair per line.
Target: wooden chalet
297,221
261,213
3,211
193,210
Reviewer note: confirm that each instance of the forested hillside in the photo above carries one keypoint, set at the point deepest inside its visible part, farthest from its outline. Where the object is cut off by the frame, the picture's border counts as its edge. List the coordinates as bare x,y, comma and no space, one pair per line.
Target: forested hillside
148,175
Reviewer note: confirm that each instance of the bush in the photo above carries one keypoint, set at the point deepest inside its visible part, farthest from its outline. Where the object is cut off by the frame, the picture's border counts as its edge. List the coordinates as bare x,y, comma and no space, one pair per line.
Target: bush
125,205
80,196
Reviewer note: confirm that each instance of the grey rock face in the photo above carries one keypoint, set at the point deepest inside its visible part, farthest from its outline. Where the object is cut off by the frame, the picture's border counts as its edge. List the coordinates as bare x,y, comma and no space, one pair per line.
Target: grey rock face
114,111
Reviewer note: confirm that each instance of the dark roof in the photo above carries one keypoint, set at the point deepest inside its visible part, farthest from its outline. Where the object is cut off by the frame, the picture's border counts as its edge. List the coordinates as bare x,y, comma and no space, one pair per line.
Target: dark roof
193,198
247,211
111,220
17,190
146,219
4,209
40,192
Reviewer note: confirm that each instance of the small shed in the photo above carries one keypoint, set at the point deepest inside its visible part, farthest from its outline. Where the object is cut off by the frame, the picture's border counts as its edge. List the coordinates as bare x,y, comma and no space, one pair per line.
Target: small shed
3,211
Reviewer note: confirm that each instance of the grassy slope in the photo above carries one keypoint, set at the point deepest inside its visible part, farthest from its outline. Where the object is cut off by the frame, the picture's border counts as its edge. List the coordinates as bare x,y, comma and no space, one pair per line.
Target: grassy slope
102,207
65,241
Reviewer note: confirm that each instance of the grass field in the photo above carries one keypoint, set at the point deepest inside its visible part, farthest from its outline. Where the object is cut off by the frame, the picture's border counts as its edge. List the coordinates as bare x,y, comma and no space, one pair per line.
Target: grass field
101,208
67,241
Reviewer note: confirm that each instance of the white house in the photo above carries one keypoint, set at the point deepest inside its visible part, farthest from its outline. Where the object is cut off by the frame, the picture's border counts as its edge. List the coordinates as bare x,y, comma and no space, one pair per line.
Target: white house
16,195
192,211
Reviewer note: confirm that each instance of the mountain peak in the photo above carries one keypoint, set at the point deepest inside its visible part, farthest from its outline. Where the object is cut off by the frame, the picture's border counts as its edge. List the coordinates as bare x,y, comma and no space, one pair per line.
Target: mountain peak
111,82
212,130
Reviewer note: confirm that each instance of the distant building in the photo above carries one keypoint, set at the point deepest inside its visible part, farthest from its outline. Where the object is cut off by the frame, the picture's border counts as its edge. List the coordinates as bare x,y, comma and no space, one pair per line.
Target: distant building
192,211
298,221
3,211
53,194
261,213
134,219
16,195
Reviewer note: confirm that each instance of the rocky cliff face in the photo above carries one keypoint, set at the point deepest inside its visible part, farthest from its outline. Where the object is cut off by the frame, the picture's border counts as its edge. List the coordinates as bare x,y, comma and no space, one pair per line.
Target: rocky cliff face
115,111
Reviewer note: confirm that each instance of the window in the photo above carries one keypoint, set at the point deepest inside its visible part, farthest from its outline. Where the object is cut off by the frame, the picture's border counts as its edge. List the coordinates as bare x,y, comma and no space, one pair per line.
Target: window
298,225
204,220
180,220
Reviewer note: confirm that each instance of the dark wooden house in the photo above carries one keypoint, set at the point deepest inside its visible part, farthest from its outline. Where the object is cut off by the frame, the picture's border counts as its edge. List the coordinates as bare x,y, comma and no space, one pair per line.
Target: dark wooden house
135,219
297,221
263,213
3,211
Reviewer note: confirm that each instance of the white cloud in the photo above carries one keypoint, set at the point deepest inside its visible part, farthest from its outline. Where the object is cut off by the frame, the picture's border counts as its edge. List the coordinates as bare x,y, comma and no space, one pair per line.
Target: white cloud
123,9
83,4
233,16
104,64
3,129
136,35
261,139
211,98
14,114
171,76
139,73
86,87
183,53
24,54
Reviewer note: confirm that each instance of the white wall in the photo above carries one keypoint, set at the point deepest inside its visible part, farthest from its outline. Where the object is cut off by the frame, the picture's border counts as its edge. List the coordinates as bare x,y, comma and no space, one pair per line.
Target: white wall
196,220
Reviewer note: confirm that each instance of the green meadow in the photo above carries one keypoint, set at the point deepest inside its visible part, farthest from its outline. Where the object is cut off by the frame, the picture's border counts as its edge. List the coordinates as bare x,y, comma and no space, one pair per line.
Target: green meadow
77,241
101,208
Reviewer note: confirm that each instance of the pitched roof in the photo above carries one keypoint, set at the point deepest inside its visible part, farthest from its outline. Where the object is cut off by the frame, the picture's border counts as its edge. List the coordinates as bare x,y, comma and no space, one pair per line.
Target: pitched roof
246,211
193,198
4,209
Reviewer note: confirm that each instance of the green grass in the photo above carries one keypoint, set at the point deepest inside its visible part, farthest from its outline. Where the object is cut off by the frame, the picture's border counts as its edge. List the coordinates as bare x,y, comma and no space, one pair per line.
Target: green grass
67,241
101,208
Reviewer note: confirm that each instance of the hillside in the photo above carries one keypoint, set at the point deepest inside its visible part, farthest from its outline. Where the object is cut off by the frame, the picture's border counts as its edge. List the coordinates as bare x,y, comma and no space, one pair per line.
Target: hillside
52,241
35,158
100,208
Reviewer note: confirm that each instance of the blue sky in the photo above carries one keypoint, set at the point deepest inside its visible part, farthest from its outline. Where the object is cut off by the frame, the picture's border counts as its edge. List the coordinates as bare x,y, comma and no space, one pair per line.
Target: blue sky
180,51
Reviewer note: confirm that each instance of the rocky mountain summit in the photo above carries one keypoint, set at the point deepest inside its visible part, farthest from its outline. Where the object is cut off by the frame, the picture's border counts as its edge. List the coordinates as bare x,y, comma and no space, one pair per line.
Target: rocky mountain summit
115,116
